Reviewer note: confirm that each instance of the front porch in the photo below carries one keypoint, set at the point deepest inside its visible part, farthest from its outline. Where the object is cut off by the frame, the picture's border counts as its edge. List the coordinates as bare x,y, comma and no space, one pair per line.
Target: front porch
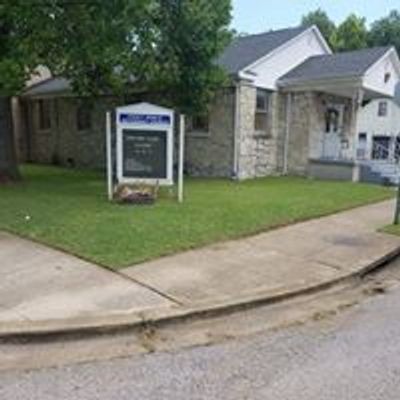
337,87
340,151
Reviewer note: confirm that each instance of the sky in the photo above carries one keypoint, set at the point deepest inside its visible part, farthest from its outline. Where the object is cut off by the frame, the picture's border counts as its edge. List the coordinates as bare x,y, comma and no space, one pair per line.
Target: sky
253,16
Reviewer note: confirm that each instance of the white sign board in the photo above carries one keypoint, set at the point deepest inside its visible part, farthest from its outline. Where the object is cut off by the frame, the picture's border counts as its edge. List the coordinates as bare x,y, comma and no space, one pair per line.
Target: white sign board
145,144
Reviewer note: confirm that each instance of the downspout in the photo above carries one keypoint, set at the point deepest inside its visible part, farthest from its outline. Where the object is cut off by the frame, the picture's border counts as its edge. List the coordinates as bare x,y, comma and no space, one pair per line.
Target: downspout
236,133
287,133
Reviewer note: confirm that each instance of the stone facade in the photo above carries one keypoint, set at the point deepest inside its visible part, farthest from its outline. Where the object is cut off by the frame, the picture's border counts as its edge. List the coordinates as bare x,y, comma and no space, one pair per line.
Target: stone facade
216,153
212,153
63,144
259,152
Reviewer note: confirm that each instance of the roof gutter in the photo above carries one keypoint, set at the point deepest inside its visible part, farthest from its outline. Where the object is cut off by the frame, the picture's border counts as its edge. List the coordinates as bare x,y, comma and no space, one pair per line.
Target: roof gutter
283,83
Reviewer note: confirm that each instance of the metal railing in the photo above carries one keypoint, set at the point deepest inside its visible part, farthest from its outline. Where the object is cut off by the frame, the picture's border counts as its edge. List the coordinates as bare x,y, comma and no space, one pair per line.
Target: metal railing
382,153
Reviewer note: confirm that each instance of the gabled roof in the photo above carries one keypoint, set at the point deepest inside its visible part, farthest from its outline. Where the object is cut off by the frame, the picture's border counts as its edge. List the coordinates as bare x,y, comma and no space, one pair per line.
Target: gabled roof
330,66
246,50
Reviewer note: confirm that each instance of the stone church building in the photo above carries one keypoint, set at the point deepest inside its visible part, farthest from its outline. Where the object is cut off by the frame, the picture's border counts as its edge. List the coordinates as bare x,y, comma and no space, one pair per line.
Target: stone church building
292,108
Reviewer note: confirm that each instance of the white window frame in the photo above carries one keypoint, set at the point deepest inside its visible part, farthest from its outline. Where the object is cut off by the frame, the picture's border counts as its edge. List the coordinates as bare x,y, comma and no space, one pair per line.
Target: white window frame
262,111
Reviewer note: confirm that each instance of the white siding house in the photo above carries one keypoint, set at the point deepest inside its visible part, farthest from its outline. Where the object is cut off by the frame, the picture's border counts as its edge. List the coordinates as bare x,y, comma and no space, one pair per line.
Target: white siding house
379,129
265,72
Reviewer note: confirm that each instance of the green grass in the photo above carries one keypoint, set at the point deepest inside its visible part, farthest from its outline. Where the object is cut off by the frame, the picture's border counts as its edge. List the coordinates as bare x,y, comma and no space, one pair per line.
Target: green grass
392,229
68,210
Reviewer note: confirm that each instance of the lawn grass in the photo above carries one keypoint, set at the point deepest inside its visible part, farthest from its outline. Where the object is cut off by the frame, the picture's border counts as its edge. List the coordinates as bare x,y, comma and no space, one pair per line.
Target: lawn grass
392,229
68,209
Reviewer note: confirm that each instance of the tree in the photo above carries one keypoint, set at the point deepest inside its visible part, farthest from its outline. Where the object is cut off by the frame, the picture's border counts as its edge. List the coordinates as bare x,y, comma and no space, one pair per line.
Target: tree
105,46
192,35
386,31
76,39
12,76
323,22
352,34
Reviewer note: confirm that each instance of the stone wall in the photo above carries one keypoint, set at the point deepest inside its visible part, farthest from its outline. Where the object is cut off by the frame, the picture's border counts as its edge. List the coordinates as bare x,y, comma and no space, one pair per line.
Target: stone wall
212,153
301,120
259,152
209,154
63,144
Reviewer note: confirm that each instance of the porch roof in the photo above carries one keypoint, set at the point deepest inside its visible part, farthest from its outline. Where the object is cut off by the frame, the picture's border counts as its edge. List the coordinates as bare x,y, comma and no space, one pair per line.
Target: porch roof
48,88
341,74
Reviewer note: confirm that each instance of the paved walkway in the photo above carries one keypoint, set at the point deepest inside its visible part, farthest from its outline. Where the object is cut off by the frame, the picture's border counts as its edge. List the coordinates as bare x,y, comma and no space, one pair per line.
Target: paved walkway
39,283
42,284
275,262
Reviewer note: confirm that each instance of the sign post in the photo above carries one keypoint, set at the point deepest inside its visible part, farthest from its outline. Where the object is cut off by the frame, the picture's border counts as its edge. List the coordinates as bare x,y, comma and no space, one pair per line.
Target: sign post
109,157
181,157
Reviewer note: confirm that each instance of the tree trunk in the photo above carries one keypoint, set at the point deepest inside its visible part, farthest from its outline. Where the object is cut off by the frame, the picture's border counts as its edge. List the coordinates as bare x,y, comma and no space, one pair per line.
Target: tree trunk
8,158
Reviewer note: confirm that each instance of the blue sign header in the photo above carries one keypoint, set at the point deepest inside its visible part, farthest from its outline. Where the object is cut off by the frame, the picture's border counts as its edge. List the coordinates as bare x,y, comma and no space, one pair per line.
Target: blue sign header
145,119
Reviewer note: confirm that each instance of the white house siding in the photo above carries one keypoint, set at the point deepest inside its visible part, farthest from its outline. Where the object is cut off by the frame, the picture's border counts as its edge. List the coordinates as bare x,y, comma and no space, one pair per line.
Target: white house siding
267,71
375,77
372,124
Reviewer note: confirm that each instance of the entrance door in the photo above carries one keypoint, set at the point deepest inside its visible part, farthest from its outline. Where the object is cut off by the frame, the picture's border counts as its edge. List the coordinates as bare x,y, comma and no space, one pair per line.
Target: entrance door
333,131
362,146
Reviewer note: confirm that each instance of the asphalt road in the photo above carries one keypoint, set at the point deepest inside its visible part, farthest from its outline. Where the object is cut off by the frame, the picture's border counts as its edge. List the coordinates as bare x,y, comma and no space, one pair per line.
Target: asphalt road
353,355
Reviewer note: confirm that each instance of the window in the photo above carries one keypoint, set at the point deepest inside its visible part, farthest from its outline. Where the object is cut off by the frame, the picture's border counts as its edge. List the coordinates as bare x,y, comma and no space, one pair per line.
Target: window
387,77
83,117
382,109
262,107
199,123
44,114
332,117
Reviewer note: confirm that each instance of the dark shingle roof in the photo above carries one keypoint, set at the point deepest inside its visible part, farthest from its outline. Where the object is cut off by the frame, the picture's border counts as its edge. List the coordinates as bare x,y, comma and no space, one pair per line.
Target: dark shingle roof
245,50
50,86
341,65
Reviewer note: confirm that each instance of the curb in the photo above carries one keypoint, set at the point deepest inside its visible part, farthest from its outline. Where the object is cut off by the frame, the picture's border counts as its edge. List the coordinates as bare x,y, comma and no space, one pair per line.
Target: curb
53,330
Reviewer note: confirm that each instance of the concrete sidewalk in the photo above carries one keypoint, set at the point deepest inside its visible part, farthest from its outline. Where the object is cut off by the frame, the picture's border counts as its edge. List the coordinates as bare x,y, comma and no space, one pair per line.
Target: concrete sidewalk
38,284
281,261
44,290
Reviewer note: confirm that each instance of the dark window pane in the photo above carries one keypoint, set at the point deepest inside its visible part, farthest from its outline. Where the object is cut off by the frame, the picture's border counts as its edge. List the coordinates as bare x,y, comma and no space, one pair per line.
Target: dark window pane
261,122
262,100
83,117
262,107
199,123
382,108
332,116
